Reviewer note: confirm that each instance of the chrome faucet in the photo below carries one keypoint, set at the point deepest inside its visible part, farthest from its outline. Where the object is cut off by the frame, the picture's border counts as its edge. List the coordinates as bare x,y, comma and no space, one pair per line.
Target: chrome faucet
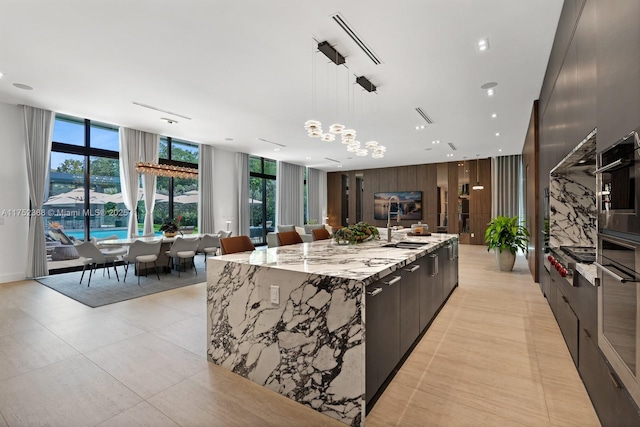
389,216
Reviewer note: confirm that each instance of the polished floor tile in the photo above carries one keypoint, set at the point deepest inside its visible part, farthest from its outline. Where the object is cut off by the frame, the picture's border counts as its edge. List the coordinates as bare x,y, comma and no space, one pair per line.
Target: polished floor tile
493,356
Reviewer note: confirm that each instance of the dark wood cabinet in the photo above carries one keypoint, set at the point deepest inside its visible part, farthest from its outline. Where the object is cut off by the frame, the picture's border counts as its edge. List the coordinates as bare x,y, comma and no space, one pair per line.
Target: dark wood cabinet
568,322
431,294
409,306
610,399
382,332
618,68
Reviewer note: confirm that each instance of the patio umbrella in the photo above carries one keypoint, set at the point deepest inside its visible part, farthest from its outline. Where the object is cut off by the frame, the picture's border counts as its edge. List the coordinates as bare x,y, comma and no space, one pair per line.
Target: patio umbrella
187,198
77,196
117,197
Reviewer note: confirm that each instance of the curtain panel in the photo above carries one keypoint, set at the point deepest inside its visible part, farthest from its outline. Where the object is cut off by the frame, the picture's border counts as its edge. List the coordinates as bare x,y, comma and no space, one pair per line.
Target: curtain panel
149,153
205,184
316,195
133,144
242,167
290,194
38,134
506,185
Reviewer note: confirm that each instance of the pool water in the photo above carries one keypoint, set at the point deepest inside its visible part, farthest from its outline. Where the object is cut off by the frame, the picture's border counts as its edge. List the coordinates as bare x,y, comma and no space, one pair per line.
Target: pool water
122,233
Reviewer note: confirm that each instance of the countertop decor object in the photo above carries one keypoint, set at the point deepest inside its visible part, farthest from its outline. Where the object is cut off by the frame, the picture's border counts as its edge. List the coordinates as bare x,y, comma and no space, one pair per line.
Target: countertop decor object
507,235
170,228
358,233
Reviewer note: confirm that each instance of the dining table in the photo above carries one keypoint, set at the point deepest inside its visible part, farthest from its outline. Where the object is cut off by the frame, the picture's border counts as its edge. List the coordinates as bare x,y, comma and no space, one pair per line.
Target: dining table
163,261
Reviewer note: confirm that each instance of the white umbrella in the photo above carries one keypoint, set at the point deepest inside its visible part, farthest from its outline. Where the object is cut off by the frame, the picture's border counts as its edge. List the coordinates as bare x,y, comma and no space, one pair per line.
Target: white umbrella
187,198
77,196
117,197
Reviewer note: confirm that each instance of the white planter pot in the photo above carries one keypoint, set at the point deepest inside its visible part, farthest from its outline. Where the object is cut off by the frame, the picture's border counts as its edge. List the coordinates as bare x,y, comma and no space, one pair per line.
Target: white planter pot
505,260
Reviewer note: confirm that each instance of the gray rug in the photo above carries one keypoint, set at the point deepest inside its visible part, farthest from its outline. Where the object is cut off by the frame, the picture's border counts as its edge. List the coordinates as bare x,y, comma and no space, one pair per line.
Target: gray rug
104,290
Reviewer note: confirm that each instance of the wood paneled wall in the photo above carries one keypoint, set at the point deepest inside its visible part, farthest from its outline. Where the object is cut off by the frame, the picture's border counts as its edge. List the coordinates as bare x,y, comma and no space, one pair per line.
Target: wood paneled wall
414,178
532,201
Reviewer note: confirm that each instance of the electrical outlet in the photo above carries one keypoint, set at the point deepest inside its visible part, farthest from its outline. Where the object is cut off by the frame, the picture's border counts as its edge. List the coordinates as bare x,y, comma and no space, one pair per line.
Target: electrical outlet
275,294
473,234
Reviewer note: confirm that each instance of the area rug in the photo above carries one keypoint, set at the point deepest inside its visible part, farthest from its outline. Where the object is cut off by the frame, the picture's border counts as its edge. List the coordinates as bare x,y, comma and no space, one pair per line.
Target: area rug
104,290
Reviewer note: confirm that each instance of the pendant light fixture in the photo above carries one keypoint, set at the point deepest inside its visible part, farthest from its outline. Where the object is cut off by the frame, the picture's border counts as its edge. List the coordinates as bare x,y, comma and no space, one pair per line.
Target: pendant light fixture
478,186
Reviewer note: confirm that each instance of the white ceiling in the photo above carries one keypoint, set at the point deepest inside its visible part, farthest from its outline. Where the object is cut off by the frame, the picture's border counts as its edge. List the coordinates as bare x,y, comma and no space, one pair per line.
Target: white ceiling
249,69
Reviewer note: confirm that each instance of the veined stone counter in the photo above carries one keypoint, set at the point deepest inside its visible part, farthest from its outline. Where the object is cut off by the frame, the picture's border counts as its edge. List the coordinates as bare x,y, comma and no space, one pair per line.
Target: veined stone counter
308,347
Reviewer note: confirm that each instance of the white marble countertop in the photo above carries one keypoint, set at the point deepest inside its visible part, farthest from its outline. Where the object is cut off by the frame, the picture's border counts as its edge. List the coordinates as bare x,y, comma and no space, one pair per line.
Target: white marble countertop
366,261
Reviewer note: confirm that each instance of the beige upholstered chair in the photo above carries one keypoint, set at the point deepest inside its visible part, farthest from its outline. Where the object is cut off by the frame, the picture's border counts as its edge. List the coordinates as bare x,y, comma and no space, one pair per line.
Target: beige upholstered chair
183,249
92,257
209,244
142,253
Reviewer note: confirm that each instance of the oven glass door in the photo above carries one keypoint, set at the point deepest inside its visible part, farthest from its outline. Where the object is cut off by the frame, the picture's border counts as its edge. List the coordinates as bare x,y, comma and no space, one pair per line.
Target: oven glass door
619,170
619,298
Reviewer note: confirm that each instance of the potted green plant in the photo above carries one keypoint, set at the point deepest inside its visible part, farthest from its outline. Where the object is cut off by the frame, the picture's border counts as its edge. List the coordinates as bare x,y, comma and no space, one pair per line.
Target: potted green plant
357,233
507,235
170,228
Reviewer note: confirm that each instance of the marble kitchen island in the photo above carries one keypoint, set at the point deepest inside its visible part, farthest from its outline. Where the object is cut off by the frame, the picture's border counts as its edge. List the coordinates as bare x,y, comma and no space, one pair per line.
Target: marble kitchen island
309,343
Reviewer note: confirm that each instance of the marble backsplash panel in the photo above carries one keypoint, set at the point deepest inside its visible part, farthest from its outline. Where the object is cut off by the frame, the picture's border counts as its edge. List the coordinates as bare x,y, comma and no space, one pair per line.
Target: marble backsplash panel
573,211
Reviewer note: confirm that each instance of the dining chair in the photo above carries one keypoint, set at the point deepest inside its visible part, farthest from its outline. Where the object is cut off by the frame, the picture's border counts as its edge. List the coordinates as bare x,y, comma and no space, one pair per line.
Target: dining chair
232,245
224,234
289,238
142,253
92,257
182,249
209,244
320,233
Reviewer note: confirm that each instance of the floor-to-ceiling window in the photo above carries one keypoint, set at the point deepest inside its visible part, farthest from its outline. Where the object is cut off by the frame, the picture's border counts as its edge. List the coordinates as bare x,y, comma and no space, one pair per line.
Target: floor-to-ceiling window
181,194
84,180
262,198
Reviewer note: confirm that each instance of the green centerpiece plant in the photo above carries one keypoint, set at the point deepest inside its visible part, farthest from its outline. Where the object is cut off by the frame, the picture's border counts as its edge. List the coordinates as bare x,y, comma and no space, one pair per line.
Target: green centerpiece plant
507,235
356,233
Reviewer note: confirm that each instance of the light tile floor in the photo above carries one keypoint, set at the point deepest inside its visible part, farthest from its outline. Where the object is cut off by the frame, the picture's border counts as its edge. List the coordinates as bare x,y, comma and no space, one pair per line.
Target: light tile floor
494,356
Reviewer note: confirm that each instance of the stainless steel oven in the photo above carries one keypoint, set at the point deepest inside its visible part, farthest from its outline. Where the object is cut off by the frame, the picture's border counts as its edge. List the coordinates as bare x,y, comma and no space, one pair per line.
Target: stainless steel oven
618,263
618,191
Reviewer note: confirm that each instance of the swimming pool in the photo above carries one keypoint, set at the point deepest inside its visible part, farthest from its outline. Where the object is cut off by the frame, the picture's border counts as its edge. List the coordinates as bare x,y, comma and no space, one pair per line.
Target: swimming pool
122,233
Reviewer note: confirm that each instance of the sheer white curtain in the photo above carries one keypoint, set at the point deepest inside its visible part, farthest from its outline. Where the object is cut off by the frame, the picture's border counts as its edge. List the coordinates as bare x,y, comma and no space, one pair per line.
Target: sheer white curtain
39,128
316,194
205,184
506,185
149,153
290,194
132,144
242,167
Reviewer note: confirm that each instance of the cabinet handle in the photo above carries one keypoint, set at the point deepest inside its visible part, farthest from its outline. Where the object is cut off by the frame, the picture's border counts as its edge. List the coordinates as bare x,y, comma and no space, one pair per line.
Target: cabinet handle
586,333
412,269
565,299
374,292
434,257
392,281
613,379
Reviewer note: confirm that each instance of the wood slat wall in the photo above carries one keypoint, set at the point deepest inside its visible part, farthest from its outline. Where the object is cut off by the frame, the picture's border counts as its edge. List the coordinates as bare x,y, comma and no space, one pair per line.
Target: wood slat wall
414,178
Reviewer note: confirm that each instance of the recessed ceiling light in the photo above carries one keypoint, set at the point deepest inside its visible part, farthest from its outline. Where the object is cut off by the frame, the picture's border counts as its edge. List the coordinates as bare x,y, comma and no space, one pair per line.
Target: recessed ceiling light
22,86
494,115
308,158
339,166
499,149
422,127
497,133
483,45
449,155
276,149
1,75
490,92
582,161
169,121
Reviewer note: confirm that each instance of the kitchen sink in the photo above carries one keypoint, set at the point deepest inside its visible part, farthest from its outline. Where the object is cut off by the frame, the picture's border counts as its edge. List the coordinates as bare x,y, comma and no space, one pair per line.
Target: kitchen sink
405,245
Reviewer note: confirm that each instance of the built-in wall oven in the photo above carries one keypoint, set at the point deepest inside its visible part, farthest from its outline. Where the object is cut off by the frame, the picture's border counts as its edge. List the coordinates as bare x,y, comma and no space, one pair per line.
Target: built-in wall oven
618,191
618,263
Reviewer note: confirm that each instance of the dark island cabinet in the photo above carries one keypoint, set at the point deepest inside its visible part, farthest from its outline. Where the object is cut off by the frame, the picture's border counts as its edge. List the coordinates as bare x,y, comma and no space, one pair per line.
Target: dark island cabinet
399,308
409,306
382,324
431,293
